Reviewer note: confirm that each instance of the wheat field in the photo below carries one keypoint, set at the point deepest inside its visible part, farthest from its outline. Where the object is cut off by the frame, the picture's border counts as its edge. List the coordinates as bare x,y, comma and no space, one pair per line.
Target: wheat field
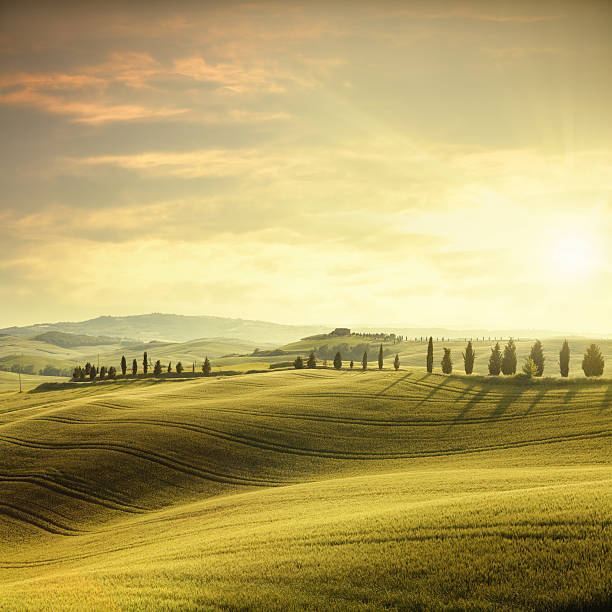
310,489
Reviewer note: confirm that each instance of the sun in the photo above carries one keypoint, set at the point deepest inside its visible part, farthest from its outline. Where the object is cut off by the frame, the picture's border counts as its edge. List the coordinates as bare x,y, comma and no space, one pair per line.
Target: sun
572,255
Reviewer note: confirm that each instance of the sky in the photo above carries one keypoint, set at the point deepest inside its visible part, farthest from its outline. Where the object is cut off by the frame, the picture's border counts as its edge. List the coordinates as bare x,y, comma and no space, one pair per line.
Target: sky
442,164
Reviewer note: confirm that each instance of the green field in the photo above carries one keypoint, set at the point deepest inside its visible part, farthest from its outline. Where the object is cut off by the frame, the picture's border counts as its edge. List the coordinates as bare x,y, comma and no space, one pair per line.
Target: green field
9,381
308,490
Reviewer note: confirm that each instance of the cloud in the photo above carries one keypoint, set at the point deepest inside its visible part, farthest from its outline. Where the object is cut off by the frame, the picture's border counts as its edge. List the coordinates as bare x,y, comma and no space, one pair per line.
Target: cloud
86,112
233,77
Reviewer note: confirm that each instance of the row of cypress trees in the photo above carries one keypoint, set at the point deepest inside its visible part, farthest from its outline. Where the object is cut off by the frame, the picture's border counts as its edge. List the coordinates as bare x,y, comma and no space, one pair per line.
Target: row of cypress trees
298,364
506,362
91,371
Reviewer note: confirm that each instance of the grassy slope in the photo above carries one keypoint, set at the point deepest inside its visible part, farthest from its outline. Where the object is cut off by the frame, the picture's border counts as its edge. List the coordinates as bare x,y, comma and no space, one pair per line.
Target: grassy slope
9,381
39,354
401,489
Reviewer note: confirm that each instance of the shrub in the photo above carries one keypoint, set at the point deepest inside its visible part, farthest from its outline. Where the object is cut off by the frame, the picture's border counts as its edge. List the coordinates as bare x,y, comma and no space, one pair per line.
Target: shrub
179,368
338,361
593,361
298,364
112,372
530,369
396,362
312,360
157,370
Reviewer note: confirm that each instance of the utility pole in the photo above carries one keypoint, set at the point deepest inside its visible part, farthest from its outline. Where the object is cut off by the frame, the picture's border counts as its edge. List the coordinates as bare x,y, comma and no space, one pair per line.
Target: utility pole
20,365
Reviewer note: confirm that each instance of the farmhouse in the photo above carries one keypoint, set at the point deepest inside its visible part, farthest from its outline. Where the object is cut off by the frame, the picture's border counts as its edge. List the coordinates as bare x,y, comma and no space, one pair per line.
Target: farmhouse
341,331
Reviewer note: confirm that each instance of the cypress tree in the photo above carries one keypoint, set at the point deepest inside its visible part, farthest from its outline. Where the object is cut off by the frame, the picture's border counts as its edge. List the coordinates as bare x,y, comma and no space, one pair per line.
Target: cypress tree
134,367
102,372
206,367
169,367
92,372
312,360
157,369
447,362
87,368
564,358
495,361
468,358
508,364
593,361
537,355
145,363
380,357
179,368
298,364
430,355
364,361
338,361
351,364
112,372
396,362
123,365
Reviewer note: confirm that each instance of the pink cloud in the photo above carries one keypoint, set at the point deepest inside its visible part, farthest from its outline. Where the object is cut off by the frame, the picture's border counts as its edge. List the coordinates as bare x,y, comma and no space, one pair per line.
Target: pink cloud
84,111
231,76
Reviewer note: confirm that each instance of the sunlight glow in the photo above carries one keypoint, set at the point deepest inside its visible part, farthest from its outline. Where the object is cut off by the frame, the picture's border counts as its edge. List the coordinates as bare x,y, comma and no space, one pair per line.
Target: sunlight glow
572,255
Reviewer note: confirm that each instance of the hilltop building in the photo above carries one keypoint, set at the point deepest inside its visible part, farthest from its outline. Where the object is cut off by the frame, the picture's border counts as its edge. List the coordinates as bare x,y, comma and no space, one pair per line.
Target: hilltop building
341,331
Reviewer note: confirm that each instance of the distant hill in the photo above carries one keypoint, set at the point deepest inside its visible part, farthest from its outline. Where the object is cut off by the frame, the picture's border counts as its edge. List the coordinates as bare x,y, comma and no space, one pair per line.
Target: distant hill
175,328
67,340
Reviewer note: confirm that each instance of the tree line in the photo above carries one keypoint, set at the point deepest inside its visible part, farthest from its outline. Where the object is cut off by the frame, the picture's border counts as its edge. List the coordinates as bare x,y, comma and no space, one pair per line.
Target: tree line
500,362
91,372
311,362
506,362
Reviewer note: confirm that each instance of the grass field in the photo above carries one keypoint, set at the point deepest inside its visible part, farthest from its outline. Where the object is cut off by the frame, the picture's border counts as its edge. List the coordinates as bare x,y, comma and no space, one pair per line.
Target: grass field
308,490
9,381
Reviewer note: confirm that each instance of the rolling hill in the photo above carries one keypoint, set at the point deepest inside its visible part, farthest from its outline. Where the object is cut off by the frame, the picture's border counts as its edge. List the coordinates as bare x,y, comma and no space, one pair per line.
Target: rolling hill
308,490
174,328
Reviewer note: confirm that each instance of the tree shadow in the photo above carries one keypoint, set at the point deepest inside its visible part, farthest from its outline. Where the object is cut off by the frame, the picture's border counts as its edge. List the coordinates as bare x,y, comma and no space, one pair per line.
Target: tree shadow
536,400
476,398
434,390
570,395
607,399
507,399
395,382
